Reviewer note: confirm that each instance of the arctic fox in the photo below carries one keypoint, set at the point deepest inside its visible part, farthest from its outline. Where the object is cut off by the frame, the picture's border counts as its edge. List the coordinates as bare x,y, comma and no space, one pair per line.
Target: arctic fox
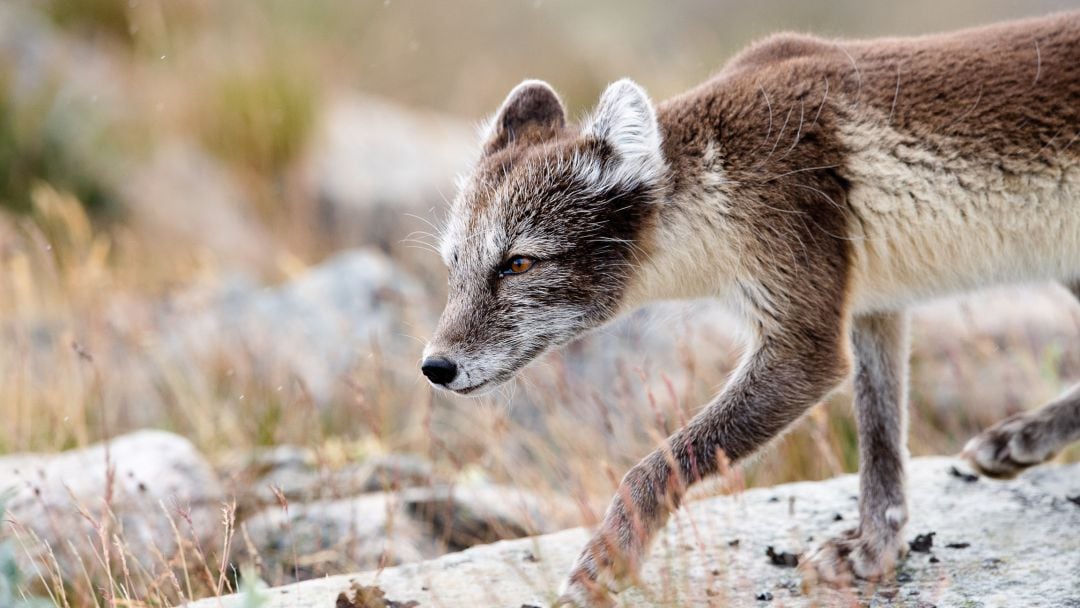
818,187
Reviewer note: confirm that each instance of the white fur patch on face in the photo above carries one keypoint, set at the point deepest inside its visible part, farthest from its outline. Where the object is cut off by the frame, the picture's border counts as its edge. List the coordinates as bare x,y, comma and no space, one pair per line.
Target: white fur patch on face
626,120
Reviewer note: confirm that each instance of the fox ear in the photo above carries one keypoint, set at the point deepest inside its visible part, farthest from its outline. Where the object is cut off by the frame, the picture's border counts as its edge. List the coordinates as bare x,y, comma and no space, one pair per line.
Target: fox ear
626,120
532,112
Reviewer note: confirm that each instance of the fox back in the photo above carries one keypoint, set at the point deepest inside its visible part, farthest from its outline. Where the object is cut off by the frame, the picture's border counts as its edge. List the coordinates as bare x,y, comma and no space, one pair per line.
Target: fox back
899,169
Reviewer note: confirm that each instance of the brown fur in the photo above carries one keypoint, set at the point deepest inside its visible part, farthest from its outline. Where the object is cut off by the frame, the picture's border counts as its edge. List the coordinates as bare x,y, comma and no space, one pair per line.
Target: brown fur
1008,95
817,186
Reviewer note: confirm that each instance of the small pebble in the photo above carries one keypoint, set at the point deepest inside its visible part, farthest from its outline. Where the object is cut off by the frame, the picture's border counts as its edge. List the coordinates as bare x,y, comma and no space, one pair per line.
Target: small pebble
783,558
934,559
904,577
764,596
968,477
958,545
923,542
790,584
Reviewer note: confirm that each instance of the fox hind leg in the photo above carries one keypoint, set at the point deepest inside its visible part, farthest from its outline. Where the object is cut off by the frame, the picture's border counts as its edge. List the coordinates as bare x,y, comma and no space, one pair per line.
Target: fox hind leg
1028,438
871,550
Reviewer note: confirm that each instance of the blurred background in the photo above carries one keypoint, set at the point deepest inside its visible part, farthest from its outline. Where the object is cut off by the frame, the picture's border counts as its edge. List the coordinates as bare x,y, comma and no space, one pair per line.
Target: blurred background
216,221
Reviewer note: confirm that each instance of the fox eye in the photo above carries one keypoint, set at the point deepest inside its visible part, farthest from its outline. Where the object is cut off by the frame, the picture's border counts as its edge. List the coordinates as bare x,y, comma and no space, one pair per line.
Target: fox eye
516,265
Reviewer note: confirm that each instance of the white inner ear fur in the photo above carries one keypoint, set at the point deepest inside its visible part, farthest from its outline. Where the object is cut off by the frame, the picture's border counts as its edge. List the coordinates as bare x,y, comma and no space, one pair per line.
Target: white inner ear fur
626,120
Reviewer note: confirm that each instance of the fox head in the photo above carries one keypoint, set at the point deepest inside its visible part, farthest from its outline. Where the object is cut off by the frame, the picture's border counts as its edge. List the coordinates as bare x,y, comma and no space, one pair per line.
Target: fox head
545,233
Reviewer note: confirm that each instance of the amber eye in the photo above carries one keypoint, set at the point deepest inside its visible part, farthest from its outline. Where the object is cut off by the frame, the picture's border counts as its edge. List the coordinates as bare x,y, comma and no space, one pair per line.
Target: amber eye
516,265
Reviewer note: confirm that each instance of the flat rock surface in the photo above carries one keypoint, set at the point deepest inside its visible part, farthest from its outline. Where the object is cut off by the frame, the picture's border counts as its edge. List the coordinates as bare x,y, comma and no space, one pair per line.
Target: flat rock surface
1014,543
149,476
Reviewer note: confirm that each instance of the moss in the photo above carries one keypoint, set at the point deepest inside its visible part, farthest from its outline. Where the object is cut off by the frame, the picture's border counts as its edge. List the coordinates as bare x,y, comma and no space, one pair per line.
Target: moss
109,17
44,140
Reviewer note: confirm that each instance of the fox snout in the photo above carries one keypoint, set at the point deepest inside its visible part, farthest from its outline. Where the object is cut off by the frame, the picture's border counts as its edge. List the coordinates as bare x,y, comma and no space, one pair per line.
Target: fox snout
439,370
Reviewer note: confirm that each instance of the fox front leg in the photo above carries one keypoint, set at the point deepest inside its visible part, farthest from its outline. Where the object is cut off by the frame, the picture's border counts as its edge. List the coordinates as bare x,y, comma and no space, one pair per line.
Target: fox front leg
787,374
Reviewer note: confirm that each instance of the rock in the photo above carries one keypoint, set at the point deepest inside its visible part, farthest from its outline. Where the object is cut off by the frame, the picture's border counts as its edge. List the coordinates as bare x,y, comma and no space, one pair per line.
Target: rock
313,328
693,563
655,339
395,472
258,478
296,474
372,163
468,515
132,488
182,195
324,537
379,529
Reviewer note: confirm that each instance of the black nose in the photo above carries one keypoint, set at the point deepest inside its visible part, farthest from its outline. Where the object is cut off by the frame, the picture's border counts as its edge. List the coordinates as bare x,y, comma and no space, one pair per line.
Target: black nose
439,370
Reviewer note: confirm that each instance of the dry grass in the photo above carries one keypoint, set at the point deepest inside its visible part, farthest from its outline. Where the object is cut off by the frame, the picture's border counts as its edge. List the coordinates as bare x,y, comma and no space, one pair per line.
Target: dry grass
60,272
80,290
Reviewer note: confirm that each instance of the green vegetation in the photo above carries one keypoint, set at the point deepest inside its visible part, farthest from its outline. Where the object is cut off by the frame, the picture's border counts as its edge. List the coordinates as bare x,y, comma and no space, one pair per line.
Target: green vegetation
12,581
109,17
46,139
260,120
252,589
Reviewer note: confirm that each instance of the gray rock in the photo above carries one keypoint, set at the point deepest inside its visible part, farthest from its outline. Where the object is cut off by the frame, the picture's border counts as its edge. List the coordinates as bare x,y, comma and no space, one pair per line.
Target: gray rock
133,488
258,478
1022,552
180,193
313,328
372,163
295,473
468,515
323,537
69,98
388,472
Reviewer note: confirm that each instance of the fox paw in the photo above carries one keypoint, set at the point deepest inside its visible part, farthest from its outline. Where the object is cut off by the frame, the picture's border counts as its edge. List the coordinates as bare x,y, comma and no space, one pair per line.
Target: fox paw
595,579
581,596
1007,448
855,555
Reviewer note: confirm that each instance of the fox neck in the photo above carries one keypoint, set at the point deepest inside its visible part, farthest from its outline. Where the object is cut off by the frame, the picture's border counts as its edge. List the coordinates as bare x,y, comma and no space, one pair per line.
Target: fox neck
689,245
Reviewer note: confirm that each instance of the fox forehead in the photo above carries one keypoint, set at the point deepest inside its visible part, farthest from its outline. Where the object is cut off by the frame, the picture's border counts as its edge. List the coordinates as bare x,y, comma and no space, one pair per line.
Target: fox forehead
522,202
552,188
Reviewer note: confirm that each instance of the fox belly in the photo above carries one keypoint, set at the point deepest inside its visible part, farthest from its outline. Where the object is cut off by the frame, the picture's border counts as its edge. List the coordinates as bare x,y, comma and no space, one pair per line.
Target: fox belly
926,222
